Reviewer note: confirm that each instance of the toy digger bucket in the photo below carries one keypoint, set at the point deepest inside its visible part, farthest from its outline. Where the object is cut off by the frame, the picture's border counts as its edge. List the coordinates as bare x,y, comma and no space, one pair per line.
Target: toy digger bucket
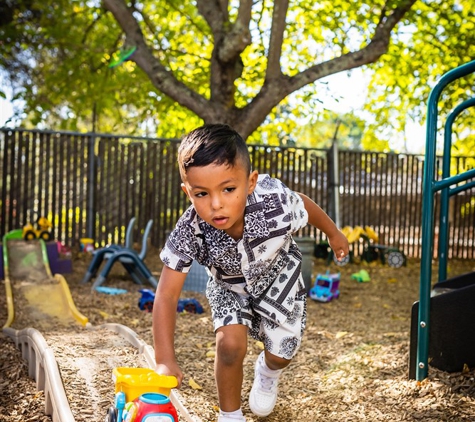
137,381
355,234
347,231
371,234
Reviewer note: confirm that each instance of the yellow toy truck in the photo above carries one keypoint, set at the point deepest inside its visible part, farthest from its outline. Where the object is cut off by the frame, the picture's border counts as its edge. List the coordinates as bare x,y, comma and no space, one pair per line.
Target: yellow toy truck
42,231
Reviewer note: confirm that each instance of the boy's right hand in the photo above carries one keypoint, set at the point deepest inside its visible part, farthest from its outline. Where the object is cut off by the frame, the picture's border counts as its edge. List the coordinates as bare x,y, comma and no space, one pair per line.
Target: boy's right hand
170,369
339,244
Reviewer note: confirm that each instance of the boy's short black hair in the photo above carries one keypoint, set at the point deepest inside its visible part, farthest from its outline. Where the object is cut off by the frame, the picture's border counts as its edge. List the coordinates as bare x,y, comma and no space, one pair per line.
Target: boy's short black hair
212,144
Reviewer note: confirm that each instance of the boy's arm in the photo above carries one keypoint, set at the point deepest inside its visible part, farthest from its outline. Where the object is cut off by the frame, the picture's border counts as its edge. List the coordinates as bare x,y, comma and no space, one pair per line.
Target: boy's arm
319,219
163,322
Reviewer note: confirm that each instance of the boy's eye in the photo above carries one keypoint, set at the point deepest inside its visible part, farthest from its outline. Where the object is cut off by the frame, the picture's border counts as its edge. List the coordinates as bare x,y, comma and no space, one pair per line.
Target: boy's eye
229,189
200,194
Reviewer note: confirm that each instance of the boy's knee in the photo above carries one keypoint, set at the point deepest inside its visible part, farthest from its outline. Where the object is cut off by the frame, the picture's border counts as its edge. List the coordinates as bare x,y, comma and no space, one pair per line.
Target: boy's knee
230,350
275,362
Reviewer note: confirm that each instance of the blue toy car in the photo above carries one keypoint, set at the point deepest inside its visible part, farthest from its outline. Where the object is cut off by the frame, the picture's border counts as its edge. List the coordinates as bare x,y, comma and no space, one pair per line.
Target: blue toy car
326,287
191,305
146,300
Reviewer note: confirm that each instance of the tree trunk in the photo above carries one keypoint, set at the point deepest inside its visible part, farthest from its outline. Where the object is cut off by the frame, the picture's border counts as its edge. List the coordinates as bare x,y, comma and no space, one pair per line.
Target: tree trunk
230,40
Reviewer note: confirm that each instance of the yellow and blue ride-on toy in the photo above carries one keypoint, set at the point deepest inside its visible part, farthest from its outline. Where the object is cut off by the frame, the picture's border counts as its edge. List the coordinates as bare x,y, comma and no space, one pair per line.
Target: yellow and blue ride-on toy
372,251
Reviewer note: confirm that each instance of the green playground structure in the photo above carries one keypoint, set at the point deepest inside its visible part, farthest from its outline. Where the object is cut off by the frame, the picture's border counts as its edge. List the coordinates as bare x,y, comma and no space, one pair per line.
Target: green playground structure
442,330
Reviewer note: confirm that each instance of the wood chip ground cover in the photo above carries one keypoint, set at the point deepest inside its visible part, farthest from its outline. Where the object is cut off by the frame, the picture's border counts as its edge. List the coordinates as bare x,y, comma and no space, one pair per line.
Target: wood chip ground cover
352,366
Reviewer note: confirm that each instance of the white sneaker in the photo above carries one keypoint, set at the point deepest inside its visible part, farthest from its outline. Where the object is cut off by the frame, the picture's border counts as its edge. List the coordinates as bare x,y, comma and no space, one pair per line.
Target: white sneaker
264,390
222,418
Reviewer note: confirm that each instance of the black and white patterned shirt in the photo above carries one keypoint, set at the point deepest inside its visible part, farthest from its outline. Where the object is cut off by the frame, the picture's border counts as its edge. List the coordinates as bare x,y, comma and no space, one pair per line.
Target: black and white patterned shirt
265,264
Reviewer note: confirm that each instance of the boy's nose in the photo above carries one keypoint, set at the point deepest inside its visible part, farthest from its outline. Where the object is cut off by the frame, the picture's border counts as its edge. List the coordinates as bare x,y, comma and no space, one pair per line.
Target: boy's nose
216,203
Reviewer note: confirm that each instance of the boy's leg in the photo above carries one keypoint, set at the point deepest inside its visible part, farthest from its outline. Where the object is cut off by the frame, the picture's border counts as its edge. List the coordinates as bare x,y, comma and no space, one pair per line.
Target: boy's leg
281,344
264,390
231,348
274,362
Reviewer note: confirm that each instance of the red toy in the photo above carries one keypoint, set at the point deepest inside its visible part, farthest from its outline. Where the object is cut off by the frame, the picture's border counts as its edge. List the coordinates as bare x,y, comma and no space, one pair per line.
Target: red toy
152,407
142,396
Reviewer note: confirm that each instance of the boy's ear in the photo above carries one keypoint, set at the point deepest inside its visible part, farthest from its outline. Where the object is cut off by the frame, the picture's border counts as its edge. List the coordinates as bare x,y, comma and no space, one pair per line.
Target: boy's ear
183,188
252,181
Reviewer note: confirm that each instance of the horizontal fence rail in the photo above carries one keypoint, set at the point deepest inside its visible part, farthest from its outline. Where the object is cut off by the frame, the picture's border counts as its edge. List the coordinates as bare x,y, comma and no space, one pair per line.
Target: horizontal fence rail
91,185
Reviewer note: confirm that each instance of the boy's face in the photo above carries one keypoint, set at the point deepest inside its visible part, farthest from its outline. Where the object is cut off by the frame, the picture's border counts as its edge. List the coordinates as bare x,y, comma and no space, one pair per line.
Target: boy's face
219,193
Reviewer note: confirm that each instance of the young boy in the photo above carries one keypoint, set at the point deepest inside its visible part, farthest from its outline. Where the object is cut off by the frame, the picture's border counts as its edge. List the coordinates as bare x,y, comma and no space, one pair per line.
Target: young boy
239,226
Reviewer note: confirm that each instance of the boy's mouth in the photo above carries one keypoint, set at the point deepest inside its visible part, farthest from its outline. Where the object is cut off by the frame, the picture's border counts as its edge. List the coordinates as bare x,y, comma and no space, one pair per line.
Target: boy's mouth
219,221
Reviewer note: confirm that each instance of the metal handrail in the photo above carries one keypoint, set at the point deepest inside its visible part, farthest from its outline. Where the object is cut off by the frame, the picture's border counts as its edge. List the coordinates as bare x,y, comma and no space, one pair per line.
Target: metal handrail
429,189
447,192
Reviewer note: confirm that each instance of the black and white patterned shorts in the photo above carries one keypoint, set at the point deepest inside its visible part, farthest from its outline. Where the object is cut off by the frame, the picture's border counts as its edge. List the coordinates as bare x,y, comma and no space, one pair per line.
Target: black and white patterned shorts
229,307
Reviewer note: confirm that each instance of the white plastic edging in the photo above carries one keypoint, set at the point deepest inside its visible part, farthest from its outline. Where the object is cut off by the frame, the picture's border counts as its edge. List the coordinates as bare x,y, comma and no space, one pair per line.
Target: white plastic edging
127,333
42,367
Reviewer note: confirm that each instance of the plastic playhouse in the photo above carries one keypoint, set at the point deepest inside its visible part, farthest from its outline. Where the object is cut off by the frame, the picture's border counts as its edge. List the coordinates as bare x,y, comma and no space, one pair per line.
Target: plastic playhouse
58,255
142,395
326,287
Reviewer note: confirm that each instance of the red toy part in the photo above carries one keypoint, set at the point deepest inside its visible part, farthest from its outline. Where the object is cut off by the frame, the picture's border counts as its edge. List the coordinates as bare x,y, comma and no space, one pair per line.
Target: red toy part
154,407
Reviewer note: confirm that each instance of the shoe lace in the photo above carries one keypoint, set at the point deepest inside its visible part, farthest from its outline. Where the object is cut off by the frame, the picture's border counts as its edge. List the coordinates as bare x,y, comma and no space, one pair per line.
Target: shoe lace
267,384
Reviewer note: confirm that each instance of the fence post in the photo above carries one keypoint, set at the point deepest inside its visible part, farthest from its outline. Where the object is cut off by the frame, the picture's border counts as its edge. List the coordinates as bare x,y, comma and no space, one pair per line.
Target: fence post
91,187
307,247
334,184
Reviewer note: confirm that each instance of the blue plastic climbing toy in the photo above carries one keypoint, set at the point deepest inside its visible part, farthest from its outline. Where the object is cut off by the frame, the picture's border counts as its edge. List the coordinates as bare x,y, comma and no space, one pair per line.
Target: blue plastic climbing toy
130,259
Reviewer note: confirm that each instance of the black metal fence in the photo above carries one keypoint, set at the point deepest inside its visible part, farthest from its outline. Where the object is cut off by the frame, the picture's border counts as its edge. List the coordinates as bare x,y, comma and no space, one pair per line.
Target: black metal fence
90,185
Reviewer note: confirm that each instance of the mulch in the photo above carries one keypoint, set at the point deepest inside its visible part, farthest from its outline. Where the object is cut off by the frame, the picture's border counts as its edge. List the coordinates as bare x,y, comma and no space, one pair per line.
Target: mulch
352,366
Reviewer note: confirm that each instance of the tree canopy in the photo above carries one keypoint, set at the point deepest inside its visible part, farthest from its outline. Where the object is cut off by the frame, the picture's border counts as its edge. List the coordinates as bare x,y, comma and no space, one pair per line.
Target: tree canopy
440,37
256,65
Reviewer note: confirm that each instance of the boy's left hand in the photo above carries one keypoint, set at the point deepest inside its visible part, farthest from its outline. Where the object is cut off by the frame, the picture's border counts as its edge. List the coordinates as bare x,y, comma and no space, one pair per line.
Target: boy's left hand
339,244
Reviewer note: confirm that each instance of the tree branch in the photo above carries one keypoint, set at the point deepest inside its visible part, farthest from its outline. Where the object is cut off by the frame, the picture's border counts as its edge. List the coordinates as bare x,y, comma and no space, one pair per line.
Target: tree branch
276,39
240,36
215,14
162,78
387,24
369,54
275,89
230,40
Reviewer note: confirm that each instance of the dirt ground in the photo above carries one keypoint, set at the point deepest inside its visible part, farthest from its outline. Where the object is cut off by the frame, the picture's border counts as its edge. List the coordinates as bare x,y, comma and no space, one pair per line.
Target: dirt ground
352,366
